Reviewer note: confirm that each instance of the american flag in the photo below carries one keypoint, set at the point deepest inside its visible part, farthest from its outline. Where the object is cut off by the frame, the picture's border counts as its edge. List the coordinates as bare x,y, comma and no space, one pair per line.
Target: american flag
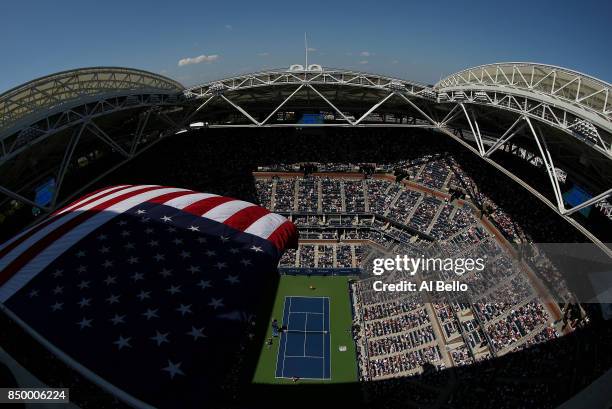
149,291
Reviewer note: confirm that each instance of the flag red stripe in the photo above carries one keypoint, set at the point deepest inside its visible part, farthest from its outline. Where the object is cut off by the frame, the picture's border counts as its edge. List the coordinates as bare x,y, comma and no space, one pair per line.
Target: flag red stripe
91,199
169,196
202,206
40,245
242,219
82,199
47,222
285,236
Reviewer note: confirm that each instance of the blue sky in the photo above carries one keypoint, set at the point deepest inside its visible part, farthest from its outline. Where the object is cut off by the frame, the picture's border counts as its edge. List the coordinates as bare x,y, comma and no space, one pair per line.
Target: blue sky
418,40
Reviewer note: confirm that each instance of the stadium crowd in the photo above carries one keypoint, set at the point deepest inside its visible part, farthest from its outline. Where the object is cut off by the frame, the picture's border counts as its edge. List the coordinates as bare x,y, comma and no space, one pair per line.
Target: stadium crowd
502,314
394,335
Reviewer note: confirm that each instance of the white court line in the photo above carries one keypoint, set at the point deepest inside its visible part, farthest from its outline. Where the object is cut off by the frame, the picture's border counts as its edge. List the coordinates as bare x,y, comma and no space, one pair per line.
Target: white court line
286,335
323,335
305,356
308,379
278,351
306,312
327,331
305,326
306,296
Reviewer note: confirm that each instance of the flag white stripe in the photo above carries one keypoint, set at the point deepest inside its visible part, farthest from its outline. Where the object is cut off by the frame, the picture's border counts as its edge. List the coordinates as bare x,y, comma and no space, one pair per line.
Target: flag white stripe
266,225
86,199
58,247
8,242
182,202
226,210
30,241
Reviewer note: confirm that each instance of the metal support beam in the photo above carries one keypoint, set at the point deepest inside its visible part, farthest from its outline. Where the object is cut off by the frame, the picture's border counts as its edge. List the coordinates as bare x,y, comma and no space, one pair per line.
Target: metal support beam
142,124
412,104
475,132
239,109
20,198
548,164
161,115
331,105
281,104
505,137
450,116
95,129
93,181
478,136
74,140
188,117
374,107
556,185
332,125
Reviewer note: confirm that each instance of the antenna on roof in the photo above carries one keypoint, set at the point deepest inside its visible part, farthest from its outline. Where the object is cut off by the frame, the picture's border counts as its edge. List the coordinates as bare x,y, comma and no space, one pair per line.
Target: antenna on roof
306,51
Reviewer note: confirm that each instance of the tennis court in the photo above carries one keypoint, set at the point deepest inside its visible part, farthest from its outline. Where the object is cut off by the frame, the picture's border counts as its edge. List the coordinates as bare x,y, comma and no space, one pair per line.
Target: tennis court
304,349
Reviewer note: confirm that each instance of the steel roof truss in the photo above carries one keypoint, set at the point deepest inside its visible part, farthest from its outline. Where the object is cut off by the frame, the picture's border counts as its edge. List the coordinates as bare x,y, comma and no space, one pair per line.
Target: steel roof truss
98,132
502,140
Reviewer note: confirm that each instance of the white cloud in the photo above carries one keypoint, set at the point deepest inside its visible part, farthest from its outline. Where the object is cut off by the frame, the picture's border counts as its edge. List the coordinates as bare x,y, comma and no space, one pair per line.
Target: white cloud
229,27
198,59
394,62
263,54
365,54
310,49
363,62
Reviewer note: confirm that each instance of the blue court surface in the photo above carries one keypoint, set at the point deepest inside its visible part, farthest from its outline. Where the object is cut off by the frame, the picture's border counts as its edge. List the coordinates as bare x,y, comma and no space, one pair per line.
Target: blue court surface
304,348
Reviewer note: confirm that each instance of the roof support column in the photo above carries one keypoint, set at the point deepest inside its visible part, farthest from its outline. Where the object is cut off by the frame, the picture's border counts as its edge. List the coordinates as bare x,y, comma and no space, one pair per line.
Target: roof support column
548,164
475,131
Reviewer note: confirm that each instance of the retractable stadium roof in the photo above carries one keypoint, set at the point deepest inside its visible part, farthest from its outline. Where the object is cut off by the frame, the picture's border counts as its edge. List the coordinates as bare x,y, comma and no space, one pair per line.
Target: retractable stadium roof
556,118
